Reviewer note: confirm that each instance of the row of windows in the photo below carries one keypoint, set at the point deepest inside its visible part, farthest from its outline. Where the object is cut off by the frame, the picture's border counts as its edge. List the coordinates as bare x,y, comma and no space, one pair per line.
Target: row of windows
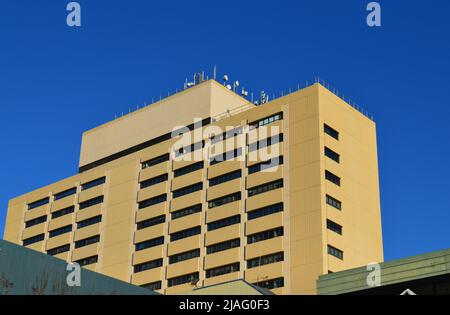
186,211
265,165
35,221
331,132
153,285
91,202
265,142
90,221
58,250
151,222
62,212
87,261
184,256
188,169
34,239
190,148
333,251
66,193
226,156
152,201
266,121
215,272
154,181
185,233
224,222
93,183
333,178
38,203
150,243
223,246
271,284
268,210
225,178
265,260
333,202
148,265
226,135
265,188
224,200
182,279
157,160
333,226
60,231
187,190
87,241
265,235
332,155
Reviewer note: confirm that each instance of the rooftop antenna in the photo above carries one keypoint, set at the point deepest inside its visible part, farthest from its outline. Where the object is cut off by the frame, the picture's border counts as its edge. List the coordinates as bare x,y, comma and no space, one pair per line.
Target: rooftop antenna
225,79
215,72
235,85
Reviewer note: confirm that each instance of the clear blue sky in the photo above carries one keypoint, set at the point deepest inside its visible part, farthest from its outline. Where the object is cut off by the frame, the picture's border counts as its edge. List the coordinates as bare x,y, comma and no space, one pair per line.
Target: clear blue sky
56,82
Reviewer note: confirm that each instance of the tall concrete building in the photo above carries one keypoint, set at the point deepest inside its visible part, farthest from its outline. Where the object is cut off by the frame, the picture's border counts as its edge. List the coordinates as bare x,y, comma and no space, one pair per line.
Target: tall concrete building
292,195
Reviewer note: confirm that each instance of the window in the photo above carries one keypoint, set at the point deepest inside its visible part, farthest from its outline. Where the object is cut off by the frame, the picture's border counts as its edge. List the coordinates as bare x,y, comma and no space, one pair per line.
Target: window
151,222
265,235
188,169
152,201
226,135
157,160
94,183
91,202
148,265
265,165
182,279
90,221
332,155
214,272
186,211
36,221
333,178
34,239
187,190
62,212
58,250
87,261
87,241
331,132
38,203
265,188
154,181
66,193
271,284
261,212
226,156
150,243
266,121
265,142
265,260
333,202
333,251
185,233
223,246
60,231
190,148
225,178
333,226
224,200
184,256
224,222
152,286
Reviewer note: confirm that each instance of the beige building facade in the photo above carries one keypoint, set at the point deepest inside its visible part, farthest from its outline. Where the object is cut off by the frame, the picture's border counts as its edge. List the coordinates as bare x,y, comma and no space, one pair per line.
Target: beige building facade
296,196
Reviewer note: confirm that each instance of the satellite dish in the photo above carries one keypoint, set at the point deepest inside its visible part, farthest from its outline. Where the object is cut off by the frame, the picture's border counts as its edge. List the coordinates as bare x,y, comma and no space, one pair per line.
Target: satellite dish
229,87
225,78
236,83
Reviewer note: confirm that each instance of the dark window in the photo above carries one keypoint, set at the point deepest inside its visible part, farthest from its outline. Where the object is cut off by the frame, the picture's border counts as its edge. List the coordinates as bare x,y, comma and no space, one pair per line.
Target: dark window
90,221
223,246
333,178
157,160
66,193
91,202
151,222
333,251
265,142
152,286
185,233
332,155
265,165
265,188
333,226
271,284
187,190
150,243
154,181
148,265
333,202
36,221
224,200
182,279
265,260
190,148
152,201
225,178
93,183
38,203
186,211
62,212
87,261
188,169
224,222
58,250
265,235
266,121
60,231
261,212
87,241
184,256
223,270
331,132
34,239
227,135
226,156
